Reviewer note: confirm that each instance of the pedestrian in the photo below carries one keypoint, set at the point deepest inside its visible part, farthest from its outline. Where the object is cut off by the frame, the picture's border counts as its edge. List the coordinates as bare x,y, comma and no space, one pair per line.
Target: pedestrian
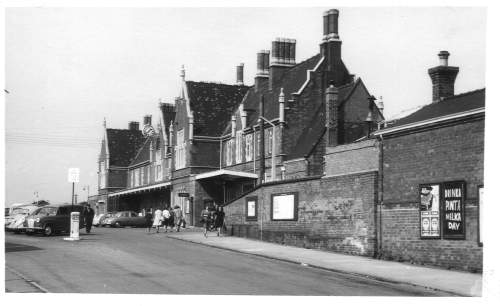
219,219
88,217
157,222
171,218
149,219
166,218
179,217
205,218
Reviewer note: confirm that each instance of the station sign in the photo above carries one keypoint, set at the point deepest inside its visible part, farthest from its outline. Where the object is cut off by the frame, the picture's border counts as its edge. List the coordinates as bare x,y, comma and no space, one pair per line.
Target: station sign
183,195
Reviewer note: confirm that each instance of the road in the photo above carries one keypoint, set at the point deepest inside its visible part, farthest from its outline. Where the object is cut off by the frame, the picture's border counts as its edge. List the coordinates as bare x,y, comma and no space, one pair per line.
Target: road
128,260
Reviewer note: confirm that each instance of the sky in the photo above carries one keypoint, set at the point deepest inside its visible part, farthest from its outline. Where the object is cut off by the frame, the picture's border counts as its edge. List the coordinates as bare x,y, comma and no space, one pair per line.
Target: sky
66,69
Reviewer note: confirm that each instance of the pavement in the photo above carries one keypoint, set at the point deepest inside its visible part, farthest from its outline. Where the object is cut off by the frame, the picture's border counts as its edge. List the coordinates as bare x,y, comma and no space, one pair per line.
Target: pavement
17,282
454,282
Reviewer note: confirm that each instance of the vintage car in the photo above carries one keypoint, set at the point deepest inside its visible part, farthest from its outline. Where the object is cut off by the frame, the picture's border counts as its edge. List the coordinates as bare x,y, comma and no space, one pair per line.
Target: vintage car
17,224
18,211
125,218
52,219
100,218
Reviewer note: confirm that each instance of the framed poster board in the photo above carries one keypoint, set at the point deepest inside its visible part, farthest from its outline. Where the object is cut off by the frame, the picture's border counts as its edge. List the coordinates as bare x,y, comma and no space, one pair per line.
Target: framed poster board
430,211
453,210
251,210
480,196
284,206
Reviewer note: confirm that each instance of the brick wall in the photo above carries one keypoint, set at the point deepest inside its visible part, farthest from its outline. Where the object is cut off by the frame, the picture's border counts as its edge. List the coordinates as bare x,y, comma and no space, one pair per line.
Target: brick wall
448,153
351,158
335,214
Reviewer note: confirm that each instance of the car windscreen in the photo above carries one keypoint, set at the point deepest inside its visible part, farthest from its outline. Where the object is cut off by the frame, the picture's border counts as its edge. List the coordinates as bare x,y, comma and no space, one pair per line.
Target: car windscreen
48,211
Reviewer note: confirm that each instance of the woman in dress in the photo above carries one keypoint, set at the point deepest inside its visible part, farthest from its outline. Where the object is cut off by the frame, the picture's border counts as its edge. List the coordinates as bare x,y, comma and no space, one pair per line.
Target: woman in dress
158,219
219,219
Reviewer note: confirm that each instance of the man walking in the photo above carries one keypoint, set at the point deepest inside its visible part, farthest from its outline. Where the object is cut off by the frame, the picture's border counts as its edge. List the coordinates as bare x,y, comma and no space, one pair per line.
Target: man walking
88,217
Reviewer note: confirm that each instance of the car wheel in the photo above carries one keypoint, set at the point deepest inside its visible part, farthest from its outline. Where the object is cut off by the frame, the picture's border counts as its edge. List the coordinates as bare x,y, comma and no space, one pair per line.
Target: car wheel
117,224
48,230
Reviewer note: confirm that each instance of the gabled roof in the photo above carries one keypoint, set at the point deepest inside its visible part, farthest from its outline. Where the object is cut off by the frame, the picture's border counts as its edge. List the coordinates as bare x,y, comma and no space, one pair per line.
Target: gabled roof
316,128
291,81
212,105
144,153
123,146
453,105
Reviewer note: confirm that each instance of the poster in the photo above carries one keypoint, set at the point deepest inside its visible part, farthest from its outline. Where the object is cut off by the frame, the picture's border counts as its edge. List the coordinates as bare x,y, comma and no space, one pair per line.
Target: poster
481,214
284,207
429,211
251,209
453,210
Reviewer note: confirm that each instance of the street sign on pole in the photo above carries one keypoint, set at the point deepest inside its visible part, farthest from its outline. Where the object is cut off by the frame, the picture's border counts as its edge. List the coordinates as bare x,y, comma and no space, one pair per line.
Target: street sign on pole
73,175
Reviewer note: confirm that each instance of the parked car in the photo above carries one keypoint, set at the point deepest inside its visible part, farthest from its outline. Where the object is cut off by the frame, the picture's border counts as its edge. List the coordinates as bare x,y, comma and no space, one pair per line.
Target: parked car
17,211
126,218
17,225
100,218
52,219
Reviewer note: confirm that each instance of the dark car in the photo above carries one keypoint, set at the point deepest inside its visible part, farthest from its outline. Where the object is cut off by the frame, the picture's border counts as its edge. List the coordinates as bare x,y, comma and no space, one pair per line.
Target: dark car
52,219
125,218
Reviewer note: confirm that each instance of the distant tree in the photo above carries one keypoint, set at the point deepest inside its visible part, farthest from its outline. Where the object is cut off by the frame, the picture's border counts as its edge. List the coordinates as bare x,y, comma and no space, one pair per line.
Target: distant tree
41,203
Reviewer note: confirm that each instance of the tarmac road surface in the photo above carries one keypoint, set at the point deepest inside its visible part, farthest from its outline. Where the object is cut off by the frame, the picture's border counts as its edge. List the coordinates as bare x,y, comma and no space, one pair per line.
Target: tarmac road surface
129,260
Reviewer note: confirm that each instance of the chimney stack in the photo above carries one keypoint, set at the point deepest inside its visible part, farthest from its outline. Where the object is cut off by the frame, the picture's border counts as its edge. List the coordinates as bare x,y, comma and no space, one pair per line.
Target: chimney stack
283,57
239,74
443,78
147,120
262,69
332,116
331,50
133,125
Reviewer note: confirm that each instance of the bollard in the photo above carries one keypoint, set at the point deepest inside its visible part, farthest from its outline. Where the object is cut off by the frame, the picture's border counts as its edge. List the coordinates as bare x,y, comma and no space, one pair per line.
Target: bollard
74,227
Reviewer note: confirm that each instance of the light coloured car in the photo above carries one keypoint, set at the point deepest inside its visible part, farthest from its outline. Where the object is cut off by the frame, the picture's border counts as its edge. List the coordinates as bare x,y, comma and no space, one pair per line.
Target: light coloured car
100,218
125,218
17,212
17,225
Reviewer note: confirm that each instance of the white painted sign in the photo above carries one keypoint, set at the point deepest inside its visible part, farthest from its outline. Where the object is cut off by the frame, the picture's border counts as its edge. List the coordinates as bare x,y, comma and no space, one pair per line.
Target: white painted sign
74,233
251,209
284,207
73,175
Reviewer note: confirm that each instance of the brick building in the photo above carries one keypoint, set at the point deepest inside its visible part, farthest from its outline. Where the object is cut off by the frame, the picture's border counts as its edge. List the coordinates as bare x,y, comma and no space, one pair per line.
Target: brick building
320,117
432,175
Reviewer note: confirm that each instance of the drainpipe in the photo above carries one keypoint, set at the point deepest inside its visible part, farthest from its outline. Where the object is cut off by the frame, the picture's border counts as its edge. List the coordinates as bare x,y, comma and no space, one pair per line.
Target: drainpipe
253,148
262,159
378,208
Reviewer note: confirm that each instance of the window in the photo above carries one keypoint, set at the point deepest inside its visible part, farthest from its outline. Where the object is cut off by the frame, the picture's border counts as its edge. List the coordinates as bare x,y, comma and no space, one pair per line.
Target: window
257,145
248,147
229,152
251,208
239,151
131,178
146,175
284,206
180,150
442,210
157,166
269,141
136,177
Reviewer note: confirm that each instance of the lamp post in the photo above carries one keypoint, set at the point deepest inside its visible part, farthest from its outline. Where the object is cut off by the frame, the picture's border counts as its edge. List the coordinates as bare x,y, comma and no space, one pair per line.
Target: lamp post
273,149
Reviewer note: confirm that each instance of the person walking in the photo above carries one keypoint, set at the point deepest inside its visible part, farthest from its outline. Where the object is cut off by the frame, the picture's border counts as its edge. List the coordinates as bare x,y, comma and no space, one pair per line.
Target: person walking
179,217
88,217
157,222
205,218
149,219
171,218
166,218
219,219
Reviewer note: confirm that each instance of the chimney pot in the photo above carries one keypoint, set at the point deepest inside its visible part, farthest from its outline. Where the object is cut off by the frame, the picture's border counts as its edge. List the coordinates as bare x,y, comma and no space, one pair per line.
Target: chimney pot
443,78
147,120
133,125
443,58
239,74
